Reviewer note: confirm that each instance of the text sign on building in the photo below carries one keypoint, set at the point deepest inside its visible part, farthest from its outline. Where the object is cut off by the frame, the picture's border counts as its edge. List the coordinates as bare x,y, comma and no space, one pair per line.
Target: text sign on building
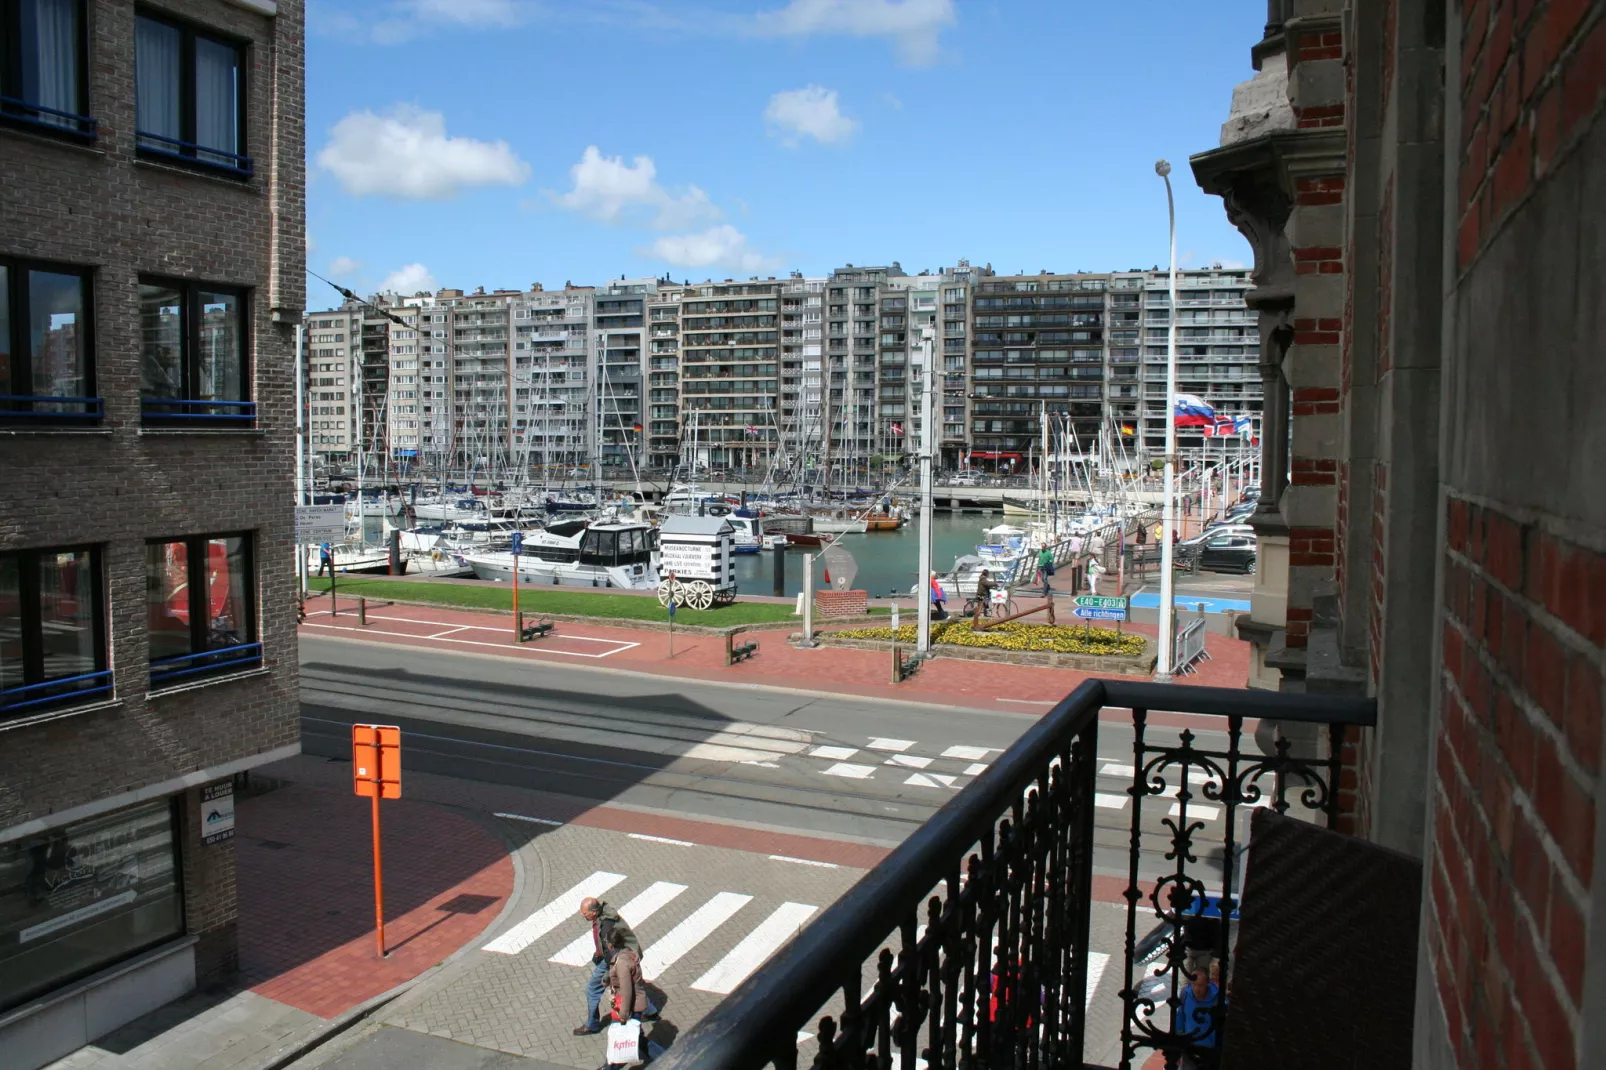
376,760
694,560
320,523
217,813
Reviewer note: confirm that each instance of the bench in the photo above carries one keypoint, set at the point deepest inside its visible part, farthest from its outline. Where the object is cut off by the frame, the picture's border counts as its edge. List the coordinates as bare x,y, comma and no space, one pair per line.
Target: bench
735,651
531,632
903,668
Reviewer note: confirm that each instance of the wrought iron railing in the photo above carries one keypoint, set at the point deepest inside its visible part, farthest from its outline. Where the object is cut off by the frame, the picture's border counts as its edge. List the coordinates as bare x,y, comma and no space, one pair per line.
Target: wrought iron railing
233,163
187,411
52,120
46,409
969,947
180,667
36,698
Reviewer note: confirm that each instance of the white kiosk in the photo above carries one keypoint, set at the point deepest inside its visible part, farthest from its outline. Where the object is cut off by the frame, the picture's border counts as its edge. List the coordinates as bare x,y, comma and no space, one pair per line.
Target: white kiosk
696,551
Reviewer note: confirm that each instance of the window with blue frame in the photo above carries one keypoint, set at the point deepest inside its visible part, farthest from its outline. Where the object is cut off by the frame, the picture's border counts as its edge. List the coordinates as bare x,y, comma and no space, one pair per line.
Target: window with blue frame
52,630
43,81
189,95
193,345
200,607
47,369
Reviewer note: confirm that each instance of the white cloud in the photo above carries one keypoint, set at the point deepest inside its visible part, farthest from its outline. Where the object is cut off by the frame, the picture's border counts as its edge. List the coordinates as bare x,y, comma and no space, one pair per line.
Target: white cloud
608,189
812,111
344,265
406,19
312,246
722,246
412,279
407,154
914,26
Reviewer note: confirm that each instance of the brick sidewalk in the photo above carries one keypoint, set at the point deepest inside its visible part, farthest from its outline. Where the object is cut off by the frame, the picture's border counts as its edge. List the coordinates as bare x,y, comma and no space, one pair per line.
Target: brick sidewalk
985,685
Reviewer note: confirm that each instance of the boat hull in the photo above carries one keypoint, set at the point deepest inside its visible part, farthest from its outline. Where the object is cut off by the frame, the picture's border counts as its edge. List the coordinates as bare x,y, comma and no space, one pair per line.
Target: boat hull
533,570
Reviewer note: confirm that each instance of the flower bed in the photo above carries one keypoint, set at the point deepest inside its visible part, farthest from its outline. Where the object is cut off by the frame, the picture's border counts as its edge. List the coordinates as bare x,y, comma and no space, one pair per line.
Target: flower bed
1015,635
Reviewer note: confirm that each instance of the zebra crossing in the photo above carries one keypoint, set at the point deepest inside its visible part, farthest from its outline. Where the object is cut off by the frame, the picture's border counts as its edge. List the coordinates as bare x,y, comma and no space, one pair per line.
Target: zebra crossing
901,761
1116,778
660,956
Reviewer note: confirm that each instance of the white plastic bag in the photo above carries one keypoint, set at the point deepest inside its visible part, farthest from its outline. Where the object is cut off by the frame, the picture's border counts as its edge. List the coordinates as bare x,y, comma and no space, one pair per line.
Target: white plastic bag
624,1042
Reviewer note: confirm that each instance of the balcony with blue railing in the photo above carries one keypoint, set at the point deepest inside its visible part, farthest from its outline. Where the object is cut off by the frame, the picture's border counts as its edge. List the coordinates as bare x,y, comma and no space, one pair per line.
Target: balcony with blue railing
183,668
62,692
972,944
158,146
42,410
188,413
45,120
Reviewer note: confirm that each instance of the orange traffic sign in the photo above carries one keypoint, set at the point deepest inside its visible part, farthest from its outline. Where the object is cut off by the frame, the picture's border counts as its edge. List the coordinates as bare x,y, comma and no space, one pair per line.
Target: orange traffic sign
376,760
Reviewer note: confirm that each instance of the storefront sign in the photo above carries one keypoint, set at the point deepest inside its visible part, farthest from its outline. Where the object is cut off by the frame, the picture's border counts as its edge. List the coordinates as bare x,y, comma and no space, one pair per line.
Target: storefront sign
217,813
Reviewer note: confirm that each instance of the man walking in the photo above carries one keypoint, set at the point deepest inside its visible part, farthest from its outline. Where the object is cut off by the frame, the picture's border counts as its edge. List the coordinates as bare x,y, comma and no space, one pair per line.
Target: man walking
608,929
326,561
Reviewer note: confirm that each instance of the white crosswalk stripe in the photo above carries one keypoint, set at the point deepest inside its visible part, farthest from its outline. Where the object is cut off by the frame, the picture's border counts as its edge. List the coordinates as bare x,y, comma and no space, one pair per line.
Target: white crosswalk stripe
834,753
891,744
848,769
969,754
754,948
638,910
691,932
1096,961
553,914
909,761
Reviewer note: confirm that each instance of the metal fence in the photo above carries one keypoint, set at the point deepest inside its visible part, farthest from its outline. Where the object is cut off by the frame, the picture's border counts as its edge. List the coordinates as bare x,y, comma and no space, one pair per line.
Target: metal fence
1188,645
968,946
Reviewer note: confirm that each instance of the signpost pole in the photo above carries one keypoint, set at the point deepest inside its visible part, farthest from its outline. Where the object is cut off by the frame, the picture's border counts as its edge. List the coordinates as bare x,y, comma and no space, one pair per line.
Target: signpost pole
379,885
674,597
518,545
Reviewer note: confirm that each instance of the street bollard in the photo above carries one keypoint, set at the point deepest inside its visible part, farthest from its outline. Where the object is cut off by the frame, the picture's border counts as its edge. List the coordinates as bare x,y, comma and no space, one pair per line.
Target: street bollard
362,611
727,649
518,626
780,571
897,665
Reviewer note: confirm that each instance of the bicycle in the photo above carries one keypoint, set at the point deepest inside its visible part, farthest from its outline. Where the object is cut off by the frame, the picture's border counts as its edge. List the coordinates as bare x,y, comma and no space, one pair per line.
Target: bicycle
1006,608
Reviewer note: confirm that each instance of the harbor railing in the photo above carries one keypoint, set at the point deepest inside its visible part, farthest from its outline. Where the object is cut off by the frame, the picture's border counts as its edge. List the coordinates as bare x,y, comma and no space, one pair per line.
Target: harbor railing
969,945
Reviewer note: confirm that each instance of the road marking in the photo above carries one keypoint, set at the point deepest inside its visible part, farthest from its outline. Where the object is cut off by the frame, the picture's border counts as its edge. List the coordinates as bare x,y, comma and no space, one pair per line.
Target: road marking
803,861
764,765
754,948
619,646
969,754
691,932
1195,811
553,914
1028,701
834,753
449,631
912,761
857,772
1109,802
1096,961
931,780
533,820
659,839
891,744
1125,772
635,912
976,769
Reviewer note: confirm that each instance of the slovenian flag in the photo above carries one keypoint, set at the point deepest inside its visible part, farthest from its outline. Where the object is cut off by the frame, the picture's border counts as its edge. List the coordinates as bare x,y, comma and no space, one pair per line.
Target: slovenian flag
1193,411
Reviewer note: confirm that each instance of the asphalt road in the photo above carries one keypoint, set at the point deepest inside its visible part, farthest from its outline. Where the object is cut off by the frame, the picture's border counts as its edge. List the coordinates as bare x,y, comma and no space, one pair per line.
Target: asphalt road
844,767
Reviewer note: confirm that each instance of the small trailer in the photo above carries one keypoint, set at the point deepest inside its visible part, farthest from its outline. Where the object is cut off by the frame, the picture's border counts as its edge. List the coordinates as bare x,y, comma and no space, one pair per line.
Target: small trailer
694,561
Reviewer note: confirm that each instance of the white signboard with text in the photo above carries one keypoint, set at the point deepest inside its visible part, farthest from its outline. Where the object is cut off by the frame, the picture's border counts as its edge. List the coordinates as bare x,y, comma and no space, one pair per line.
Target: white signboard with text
320,523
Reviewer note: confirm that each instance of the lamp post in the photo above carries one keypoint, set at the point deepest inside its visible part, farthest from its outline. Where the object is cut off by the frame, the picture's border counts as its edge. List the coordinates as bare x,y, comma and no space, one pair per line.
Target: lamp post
1168,613
928,440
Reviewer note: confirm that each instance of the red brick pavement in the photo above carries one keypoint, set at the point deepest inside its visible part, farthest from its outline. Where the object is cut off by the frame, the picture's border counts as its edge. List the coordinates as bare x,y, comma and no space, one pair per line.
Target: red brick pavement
987,685
305,875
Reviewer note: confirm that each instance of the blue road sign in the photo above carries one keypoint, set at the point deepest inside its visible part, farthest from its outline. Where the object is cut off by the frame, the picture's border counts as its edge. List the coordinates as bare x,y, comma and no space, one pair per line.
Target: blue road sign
672,602
1093,613
518,542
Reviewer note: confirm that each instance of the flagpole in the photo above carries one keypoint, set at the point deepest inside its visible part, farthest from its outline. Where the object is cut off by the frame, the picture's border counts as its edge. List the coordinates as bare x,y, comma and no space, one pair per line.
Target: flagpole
1163,662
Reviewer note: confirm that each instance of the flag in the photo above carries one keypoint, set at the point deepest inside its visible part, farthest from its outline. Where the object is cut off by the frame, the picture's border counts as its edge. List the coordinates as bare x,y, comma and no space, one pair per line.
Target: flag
1193,411
635,427
1243,425
897,428
751,430
1128,427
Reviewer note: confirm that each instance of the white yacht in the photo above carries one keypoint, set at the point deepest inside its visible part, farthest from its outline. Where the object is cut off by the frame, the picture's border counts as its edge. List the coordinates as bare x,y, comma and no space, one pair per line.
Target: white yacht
452,509
579,553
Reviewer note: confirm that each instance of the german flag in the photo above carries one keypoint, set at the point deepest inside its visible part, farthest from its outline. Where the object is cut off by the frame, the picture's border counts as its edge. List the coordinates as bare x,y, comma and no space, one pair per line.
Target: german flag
1129,427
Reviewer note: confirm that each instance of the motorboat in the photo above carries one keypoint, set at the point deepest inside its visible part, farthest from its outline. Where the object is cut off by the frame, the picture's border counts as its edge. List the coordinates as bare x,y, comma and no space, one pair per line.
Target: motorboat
751,536
579,553
352,556
457,510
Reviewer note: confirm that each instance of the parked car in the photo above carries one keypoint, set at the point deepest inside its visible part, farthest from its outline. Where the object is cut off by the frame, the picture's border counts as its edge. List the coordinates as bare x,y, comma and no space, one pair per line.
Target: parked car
1228,553
1188,549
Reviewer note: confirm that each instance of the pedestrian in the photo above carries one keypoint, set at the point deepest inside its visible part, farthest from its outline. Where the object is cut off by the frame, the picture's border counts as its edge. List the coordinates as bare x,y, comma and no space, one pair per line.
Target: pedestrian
984,593
326,561
1045,569
605,922
1199,1020
1142,536
938,597
1201,936
625,997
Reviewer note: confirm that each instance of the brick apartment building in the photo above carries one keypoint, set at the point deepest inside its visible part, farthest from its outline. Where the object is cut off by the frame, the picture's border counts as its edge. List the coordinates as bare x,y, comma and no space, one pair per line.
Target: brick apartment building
1421,181
152,248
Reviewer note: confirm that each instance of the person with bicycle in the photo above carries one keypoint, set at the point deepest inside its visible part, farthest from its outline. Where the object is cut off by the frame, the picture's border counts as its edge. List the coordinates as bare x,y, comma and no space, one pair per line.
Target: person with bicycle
984,593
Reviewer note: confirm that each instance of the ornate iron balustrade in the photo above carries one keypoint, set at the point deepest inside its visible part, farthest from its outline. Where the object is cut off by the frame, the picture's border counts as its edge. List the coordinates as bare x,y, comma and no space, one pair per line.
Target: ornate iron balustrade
968,947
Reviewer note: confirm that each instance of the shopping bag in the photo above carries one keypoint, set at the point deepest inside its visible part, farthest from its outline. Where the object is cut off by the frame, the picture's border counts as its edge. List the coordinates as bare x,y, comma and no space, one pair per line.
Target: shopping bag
624,1042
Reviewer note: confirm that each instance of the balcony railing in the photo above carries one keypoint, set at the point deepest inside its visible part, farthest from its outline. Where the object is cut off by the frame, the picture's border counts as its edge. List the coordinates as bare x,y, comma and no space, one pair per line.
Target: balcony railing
969,945
36,698
38,409
171,147
50,119
180,667
186,412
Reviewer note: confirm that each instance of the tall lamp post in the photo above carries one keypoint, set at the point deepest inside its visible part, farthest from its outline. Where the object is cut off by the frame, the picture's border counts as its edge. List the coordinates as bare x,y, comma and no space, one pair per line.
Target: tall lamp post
928,441
1168,609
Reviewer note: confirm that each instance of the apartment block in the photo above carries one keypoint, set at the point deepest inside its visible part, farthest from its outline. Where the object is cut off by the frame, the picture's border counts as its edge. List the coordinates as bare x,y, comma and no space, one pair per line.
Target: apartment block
551,376
620,323
663,376
729,367
152,260
333,353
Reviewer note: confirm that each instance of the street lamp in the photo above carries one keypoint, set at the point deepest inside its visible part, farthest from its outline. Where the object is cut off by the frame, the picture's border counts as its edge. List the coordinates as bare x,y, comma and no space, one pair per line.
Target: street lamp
1168,611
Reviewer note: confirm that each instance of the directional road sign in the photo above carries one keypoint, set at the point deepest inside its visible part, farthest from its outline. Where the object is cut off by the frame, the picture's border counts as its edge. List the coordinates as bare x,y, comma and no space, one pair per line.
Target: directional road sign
1094,613
1099,601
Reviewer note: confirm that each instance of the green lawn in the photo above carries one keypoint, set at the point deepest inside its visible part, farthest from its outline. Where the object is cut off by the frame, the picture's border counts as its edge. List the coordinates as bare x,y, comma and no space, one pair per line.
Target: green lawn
553,600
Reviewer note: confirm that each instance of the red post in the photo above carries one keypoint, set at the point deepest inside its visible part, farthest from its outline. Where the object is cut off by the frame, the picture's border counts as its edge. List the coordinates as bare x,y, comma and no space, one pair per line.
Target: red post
379,886
376,773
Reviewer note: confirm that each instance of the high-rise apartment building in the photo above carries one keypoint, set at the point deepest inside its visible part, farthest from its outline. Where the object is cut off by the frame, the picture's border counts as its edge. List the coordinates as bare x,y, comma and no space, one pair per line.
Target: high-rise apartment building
333,347
729,368
552,377
620,318
663,376
152,258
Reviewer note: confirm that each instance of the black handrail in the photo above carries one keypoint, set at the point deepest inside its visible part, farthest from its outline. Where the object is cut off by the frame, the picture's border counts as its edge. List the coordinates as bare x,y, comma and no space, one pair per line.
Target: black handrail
1026,814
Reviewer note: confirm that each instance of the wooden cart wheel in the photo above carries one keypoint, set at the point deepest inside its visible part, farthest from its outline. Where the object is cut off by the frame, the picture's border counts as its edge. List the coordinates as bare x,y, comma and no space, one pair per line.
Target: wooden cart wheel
699,594
671,590
725,596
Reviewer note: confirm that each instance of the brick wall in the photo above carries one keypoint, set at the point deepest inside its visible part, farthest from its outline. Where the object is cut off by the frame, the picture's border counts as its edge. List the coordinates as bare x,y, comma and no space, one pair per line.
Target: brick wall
1379,566
841,603
210,916
1516,760
102,207
1532,72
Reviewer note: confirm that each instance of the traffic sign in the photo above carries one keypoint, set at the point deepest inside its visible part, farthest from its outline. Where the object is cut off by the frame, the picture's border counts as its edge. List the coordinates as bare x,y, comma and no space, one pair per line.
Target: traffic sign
320,523
518,542
1099,601
1094,613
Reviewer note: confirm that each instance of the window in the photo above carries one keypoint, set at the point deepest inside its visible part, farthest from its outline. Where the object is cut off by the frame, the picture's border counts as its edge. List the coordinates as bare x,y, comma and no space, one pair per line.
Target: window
46,374
42,65
52,630
192,354
200,607
189,95
77,898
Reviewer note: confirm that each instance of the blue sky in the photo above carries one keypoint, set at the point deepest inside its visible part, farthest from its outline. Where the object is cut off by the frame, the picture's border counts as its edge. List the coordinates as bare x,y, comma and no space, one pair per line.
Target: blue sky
506,142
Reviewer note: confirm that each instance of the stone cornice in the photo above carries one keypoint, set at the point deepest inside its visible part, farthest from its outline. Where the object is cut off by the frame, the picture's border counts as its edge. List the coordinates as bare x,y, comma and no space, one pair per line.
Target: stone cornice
1281,157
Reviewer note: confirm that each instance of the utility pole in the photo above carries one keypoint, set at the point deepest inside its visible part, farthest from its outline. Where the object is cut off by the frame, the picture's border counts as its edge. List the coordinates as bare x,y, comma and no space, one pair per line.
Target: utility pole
927,439
1168,611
